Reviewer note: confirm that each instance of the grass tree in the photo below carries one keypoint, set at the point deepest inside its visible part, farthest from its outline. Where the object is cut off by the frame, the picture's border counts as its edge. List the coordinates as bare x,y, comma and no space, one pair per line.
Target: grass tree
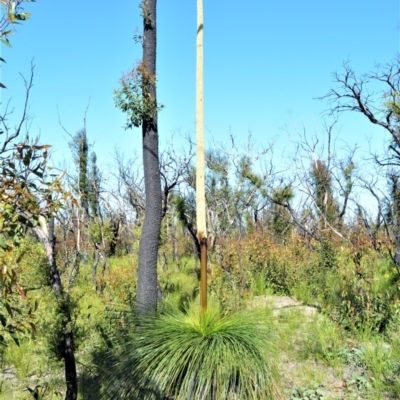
192,354
178,355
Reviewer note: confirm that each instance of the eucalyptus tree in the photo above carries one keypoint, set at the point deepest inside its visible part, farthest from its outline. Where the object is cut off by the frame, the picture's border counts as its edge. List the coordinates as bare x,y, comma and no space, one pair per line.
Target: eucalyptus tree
236,182
376,96
80,149
30,198
137,98
325,204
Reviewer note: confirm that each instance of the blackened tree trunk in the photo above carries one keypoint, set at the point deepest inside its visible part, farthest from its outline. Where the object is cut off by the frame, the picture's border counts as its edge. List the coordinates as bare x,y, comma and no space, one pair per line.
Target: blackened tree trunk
149,241
66,338
394,215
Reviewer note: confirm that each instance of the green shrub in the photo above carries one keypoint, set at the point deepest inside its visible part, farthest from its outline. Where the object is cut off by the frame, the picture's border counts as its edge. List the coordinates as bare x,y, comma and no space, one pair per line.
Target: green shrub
363,298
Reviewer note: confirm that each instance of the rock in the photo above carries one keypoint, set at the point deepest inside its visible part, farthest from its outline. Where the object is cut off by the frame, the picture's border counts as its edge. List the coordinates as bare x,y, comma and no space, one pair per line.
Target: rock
279,303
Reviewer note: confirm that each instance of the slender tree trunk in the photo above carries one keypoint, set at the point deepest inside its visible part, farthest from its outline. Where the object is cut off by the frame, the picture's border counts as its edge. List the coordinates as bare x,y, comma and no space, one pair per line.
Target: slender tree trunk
149,240
95,264
200,164
115,237
71,377
67,339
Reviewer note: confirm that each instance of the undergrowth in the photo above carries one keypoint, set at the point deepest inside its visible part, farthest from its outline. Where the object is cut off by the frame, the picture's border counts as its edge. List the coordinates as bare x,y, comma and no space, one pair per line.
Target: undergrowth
349,348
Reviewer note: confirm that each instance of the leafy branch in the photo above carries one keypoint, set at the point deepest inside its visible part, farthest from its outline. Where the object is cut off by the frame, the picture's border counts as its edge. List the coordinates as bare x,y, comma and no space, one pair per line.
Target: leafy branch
134,98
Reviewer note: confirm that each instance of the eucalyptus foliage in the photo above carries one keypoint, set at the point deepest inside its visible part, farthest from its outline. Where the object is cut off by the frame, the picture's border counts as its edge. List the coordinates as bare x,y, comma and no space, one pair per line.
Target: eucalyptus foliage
12,13
133,99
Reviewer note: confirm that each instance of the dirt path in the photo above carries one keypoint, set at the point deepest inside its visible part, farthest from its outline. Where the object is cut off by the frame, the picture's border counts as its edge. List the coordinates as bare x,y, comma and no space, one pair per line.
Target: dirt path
304,375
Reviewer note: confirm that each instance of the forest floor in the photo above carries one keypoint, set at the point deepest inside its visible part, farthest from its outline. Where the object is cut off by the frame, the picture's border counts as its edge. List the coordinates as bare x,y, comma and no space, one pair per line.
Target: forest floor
315,362
314,359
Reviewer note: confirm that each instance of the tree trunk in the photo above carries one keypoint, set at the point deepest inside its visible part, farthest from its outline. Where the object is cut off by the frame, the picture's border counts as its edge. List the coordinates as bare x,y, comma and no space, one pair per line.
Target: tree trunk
67,340
95,264
149,241
71,377
397,250
115,236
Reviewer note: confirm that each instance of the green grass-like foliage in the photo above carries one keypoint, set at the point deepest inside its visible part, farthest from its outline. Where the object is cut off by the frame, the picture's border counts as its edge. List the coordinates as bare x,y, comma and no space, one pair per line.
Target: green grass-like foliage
193,356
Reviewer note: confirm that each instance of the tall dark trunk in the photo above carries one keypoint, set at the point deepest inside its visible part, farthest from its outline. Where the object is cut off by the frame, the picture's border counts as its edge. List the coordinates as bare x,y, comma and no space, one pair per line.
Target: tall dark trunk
71,377
67,337
395,197
112,250
149,241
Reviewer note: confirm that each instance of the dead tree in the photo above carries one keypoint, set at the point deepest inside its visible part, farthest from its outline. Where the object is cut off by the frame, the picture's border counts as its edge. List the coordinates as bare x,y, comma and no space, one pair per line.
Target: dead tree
376,96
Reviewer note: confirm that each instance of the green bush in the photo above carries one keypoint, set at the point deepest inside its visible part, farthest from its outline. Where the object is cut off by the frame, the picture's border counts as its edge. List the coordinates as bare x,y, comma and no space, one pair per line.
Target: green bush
365,297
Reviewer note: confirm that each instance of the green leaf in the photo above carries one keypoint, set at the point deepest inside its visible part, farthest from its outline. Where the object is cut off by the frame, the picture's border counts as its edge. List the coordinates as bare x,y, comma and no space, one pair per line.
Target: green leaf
3,244
9,310
14,337
6,42
37,173
32,392
33,329
22,16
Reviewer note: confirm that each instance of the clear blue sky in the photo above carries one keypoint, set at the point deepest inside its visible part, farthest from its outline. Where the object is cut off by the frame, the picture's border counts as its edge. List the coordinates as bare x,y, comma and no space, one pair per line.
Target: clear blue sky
265,62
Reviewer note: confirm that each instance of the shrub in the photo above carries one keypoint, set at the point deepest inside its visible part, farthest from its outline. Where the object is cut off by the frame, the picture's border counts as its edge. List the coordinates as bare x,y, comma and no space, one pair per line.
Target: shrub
364,297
